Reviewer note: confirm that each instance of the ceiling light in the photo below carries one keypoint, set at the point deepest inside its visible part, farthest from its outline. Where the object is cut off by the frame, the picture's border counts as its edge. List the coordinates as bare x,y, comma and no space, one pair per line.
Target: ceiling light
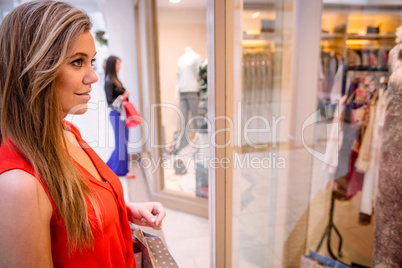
255,15
174,1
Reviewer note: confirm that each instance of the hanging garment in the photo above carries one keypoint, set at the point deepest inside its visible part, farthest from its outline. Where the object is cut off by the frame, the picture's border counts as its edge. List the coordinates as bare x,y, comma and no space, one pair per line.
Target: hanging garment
321,81
336,90
334,140
353,58
371,175
363,160
349,129
373,59
332,71
342,172
365,57
382,57
348,137
355,178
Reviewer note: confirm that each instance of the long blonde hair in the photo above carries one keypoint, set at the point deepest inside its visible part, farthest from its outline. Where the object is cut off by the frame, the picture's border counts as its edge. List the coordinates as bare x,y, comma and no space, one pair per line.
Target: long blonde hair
35,39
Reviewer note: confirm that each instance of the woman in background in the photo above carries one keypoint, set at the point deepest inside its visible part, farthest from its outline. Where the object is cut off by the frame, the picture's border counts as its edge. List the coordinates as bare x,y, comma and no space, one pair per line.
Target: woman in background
118,161
61,205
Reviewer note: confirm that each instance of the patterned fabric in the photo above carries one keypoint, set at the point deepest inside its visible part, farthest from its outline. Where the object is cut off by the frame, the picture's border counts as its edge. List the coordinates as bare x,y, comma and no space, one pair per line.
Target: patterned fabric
388,205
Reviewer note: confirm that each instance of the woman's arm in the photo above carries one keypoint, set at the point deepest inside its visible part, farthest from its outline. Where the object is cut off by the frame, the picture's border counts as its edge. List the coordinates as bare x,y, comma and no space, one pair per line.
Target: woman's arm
25,221
148,214
112,91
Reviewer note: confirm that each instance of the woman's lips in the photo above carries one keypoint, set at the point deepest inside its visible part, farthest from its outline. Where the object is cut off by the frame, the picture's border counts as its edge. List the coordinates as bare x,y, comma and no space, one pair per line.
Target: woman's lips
85,95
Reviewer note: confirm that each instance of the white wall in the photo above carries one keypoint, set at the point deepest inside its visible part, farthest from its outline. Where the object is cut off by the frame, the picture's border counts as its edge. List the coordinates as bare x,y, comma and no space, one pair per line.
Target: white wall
119,20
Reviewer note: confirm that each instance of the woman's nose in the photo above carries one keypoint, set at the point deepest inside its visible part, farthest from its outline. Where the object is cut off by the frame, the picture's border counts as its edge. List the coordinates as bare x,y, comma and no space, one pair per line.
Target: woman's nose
91,76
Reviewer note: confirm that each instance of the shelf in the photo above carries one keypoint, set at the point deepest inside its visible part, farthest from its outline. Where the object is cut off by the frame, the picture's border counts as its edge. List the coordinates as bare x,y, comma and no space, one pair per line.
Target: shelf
326,36
372,36
262,36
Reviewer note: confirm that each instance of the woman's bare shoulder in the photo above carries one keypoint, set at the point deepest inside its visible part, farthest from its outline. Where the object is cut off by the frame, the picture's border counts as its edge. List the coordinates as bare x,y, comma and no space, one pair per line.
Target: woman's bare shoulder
17,180
21,188
25,222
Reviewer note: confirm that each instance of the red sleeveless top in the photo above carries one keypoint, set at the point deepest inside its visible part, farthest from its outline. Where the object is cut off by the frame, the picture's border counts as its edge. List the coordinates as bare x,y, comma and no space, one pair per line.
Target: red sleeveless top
113,247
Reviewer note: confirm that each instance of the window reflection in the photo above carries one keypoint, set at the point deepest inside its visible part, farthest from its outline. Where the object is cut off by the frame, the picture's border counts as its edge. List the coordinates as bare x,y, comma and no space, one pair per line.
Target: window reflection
183,94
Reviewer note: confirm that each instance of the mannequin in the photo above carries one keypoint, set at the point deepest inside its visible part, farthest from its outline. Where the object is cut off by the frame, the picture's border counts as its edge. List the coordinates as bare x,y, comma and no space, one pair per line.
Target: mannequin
187,87
388,205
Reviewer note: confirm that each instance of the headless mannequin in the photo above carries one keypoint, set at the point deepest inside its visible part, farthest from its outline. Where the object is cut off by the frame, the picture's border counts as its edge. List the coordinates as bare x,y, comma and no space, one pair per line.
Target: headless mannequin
187,87
388,205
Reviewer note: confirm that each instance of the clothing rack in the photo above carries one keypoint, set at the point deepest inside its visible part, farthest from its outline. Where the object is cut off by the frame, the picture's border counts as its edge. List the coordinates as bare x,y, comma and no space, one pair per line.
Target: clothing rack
362,69
331,225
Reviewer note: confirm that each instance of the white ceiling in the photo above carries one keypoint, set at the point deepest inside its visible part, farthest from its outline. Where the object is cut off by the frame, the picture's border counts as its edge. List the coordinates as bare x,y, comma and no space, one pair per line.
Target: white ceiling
203,3
182,4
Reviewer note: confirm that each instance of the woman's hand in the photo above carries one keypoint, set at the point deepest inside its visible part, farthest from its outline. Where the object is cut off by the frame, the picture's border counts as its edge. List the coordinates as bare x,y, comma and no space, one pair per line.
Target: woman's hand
127,93
148,214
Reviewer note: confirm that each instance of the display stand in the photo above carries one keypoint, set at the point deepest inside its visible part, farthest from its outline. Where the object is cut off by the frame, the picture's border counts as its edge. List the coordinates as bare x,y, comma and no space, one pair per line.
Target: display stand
328,231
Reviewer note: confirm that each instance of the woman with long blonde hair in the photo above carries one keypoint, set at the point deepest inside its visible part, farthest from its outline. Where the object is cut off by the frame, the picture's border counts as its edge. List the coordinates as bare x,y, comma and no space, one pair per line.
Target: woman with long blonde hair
61,205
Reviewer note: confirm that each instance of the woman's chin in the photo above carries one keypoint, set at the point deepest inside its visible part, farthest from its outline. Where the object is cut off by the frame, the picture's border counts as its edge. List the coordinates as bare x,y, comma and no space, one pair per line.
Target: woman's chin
78,109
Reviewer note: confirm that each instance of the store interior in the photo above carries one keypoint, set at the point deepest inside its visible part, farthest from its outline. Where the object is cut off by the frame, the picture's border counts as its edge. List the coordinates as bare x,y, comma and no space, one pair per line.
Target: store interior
278,220
266,233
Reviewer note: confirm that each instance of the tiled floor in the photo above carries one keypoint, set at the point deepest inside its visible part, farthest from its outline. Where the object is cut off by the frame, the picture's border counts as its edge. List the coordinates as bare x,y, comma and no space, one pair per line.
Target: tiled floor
187,238
182,182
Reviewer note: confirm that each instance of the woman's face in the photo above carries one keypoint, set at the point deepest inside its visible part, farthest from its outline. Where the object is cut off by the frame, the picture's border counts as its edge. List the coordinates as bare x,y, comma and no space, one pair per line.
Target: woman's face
76,76
118,65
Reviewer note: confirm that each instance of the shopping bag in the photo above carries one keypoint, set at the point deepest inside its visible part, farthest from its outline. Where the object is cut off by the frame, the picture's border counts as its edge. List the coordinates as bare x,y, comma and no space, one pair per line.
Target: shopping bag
132,116
118,104
138,257
153,251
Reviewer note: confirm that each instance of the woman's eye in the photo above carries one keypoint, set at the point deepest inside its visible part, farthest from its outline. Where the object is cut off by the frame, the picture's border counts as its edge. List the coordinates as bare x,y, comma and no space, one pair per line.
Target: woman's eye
93,62
77,63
